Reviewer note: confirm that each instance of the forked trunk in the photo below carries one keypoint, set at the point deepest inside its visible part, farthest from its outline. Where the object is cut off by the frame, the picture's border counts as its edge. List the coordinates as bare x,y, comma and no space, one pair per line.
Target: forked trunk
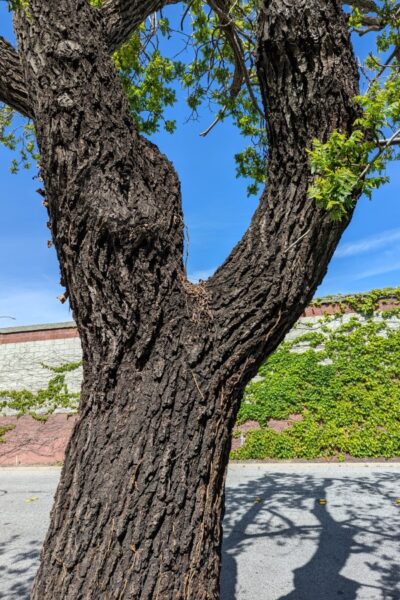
139,507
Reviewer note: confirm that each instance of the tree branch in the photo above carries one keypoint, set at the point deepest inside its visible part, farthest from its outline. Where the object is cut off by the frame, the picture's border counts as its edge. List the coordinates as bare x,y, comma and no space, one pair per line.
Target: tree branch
367,5
264,285
122,17
371,23
236,45
385,143
12,84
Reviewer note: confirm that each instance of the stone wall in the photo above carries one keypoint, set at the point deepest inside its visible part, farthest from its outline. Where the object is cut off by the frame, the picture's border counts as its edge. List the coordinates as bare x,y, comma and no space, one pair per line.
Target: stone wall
24,351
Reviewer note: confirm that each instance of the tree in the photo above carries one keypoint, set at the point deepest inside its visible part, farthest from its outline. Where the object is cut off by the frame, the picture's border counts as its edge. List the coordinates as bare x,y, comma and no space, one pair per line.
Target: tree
139,507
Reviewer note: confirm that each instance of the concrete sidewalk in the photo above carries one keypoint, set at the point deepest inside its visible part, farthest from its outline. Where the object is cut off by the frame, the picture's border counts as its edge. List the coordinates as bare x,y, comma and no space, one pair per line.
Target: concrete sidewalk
280,542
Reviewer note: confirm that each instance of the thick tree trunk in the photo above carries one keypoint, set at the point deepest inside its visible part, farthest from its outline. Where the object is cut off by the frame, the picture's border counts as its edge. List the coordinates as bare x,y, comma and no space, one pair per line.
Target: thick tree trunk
139,507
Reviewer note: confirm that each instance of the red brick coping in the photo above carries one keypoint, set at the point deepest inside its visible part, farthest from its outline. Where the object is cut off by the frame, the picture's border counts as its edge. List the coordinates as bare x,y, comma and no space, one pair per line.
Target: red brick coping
38,333
334,308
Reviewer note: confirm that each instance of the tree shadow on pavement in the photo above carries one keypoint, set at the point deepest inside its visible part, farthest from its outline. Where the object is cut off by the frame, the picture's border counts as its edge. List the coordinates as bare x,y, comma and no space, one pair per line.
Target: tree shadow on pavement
303,549
18,566
281,511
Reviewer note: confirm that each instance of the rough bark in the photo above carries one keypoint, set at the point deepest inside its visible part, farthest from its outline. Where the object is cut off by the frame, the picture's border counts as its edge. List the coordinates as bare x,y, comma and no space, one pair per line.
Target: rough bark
138,510
122,17
12,84
308,80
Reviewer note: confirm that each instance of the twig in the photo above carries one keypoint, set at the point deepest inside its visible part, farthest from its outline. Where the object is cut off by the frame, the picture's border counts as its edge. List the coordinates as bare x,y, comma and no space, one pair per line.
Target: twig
386,145
297,241
213,124
390,142
197,385
370,29
236,45
187,9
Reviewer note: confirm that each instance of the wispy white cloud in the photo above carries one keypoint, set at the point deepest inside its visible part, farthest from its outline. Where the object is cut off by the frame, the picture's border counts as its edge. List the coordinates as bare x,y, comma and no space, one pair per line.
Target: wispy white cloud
375,242
195,276
380,269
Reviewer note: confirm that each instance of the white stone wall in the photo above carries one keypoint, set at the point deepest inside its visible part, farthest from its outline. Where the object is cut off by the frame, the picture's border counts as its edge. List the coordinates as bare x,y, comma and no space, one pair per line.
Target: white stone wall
21,363
314,324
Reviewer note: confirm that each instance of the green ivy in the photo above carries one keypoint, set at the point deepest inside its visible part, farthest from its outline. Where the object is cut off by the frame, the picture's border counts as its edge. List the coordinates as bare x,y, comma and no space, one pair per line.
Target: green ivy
3,431
348,394
47,400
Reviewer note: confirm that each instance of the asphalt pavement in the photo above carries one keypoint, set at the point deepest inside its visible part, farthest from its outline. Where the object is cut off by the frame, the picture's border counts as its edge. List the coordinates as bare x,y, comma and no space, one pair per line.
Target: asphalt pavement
291,531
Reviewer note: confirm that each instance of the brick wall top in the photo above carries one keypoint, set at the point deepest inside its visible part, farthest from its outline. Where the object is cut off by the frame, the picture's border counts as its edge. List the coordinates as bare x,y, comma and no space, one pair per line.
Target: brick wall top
332,308
36,333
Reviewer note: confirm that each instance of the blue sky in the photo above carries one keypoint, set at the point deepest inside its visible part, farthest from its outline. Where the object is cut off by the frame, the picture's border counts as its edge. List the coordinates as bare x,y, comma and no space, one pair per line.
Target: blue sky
217,212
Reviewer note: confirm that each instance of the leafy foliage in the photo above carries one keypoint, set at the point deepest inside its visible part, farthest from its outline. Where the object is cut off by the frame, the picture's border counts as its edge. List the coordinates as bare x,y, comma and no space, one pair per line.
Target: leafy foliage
3,431
18,4
18,134
346,386
209,55
347,166
340,166
207,52
44,402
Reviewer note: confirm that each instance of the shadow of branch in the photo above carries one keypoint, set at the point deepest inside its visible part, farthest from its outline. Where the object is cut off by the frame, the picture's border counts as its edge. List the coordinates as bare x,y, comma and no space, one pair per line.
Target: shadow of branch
281,510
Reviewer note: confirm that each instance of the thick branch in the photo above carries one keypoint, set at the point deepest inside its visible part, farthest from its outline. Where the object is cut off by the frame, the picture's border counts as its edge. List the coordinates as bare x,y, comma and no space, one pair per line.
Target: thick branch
12,85
308,78
122,17
113,199
366,5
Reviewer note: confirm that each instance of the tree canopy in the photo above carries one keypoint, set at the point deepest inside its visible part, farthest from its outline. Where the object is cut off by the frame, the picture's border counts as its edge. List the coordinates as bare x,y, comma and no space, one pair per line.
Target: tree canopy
207,52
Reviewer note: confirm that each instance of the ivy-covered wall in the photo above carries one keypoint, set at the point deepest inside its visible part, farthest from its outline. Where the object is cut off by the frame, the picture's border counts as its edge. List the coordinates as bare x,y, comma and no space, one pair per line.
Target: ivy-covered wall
24,364
332,389
25,352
